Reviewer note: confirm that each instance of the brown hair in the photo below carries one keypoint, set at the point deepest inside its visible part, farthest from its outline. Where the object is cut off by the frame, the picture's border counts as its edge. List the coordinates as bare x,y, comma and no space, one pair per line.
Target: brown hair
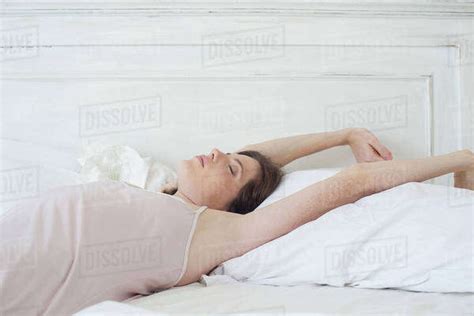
257,190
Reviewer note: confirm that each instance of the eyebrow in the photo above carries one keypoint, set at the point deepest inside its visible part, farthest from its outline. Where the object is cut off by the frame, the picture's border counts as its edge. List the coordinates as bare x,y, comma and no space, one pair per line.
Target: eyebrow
240,164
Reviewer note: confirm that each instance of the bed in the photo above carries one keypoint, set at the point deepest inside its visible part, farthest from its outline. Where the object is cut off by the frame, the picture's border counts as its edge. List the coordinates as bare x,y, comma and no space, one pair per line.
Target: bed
222,294
237,297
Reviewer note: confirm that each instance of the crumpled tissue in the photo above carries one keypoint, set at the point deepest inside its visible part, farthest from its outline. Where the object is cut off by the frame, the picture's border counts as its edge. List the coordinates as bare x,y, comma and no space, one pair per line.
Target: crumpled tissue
123,163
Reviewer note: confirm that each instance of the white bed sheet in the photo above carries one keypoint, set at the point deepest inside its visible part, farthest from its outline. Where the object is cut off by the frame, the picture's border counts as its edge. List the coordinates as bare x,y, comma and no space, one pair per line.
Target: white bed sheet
238,297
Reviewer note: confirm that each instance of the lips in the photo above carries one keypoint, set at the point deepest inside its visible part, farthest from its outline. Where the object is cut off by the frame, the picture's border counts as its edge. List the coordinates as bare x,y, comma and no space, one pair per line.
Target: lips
200,160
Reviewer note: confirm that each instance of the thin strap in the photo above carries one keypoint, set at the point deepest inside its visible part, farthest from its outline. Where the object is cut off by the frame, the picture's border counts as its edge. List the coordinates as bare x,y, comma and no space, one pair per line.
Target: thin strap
188,244
199,210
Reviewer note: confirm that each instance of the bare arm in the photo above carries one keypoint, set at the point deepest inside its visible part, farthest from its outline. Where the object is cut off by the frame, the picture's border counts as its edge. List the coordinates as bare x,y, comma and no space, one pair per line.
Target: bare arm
348,186
282,151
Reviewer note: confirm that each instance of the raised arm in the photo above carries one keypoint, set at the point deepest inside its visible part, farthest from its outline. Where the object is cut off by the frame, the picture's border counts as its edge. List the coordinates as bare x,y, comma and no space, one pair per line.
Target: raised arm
347,186
221,235
365,146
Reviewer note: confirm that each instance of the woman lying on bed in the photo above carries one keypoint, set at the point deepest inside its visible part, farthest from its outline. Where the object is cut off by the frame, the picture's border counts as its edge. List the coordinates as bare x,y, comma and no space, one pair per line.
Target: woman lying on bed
79,245
220,189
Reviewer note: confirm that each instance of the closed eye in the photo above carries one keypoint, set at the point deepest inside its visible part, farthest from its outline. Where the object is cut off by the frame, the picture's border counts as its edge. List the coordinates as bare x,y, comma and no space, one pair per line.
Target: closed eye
230,168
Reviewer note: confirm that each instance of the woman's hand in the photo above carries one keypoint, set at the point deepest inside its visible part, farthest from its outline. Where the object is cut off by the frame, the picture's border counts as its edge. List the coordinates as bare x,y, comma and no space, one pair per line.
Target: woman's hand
366,147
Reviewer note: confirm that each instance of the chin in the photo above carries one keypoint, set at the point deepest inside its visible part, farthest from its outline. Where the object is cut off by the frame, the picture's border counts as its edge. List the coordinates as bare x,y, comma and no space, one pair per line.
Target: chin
186,172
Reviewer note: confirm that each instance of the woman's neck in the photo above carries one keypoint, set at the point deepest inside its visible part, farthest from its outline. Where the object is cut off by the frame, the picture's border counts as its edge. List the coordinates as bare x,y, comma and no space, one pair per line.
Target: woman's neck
185,198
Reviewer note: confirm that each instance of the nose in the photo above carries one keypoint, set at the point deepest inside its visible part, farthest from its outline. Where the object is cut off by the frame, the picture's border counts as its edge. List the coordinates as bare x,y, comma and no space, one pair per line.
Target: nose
215,154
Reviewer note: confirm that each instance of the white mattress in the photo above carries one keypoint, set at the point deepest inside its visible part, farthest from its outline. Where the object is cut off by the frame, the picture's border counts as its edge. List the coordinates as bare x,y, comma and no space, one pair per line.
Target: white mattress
278,300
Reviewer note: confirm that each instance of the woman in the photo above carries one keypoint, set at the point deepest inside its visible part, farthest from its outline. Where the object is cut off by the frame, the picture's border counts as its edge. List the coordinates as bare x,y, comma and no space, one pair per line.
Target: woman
240,230
109,241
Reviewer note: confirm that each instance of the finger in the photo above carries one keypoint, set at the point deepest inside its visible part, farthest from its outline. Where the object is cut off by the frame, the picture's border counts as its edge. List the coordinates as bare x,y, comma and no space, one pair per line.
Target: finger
382,150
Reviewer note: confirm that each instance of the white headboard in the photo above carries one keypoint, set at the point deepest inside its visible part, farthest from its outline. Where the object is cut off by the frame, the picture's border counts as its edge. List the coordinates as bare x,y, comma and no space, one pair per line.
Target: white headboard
194,76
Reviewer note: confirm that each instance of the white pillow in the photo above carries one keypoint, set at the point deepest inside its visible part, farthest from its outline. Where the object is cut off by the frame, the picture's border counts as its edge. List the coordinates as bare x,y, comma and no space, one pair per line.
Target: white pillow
298,180
414,237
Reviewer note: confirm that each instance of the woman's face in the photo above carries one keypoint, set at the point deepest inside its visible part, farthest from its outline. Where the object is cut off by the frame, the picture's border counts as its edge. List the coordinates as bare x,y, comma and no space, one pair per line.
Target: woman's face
216,179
